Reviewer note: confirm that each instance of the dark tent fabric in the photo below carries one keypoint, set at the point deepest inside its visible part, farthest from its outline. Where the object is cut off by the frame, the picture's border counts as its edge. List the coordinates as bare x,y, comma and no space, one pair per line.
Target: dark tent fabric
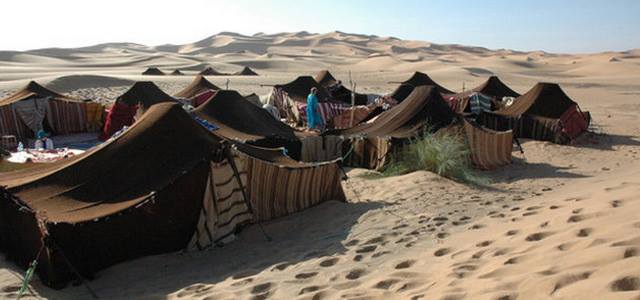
153,71
197,86
343,94
545,113
246,71
143,94
417,79
177,72
325,78
30,106
239,120
544,99
210,71
423,107
493,88
299,89
103,207
373,142
35,90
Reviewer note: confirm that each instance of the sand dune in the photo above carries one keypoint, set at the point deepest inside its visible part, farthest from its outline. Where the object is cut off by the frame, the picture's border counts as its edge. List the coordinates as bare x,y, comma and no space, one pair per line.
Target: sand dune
560,222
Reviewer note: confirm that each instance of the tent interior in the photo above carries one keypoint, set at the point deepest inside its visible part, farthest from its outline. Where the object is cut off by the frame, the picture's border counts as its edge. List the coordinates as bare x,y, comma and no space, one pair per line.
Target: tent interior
141,96
36,107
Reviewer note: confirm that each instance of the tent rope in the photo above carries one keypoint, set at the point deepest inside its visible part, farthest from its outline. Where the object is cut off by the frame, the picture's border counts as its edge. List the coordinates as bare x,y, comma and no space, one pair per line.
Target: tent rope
74,270
29,273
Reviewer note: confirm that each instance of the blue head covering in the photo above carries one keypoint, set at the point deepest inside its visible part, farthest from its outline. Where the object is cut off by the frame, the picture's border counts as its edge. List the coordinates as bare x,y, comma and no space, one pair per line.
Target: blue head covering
41,134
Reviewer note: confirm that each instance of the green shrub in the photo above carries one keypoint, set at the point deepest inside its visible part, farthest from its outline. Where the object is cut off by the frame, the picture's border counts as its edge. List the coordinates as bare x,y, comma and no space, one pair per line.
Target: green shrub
445,154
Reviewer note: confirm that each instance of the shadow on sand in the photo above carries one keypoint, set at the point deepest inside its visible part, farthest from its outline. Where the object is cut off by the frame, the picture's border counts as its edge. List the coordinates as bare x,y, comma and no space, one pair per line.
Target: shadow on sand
520,169
314,233
606,141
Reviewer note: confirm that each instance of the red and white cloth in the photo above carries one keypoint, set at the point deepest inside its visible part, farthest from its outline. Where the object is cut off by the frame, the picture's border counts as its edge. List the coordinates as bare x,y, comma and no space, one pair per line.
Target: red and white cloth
327,110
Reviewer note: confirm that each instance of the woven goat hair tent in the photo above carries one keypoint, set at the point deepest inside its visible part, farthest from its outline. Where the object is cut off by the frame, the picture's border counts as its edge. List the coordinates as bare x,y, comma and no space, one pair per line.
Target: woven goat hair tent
197,86
84,215
246,71
130,197
141,96
210,71
423,109
492,87
342,94
546,113
35,107
236,119
417,79
153,71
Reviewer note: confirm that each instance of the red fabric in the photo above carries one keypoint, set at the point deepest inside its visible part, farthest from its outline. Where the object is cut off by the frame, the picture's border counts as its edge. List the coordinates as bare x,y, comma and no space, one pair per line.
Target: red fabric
573,122
452,101
202,97
119,115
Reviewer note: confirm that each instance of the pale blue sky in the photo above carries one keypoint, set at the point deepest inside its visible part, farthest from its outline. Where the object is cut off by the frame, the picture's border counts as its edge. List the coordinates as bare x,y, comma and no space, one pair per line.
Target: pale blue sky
555,26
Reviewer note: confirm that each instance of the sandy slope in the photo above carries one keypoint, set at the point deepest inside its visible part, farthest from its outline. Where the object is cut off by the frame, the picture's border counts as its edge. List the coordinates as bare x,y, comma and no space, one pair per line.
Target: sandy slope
561,222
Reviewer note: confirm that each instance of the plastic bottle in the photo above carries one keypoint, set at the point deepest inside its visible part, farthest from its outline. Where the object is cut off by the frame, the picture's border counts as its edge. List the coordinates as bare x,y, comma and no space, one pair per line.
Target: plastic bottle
20,147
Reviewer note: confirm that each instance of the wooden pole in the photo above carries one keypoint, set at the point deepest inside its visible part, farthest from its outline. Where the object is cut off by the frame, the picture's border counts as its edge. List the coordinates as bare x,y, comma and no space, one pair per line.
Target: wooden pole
353,99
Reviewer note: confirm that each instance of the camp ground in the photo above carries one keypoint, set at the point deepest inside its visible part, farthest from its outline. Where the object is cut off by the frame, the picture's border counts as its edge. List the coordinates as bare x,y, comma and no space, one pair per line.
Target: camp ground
229,163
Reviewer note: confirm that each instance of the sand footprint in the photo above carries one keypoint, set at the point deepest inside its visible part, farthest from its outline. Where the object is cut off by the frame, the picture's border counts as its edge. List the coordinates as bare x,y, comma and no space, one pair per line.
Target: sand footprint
511,232
306,275
484,244
626,284
386,284
329,262
584,232
261,291
367,249
310,289
442,252
538,236
355,274
405,264
630,252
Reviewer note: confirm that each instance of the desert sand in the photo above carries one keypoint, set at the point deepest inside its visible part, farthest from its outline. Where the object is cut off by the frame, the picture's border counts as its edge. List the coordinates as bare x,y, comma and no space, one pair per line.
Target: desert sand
561,222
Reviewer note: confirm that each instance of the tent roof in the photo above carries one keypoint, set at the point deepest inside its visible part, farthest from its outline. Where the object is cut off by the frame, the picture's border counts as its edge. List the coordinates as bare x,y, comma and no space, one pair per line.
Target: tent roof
246,71
544,99
153,71
177,72
239,120
299,88
197,86
145,92
423,106
493,87
325,78
115,176
209,71
35,90
417,79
